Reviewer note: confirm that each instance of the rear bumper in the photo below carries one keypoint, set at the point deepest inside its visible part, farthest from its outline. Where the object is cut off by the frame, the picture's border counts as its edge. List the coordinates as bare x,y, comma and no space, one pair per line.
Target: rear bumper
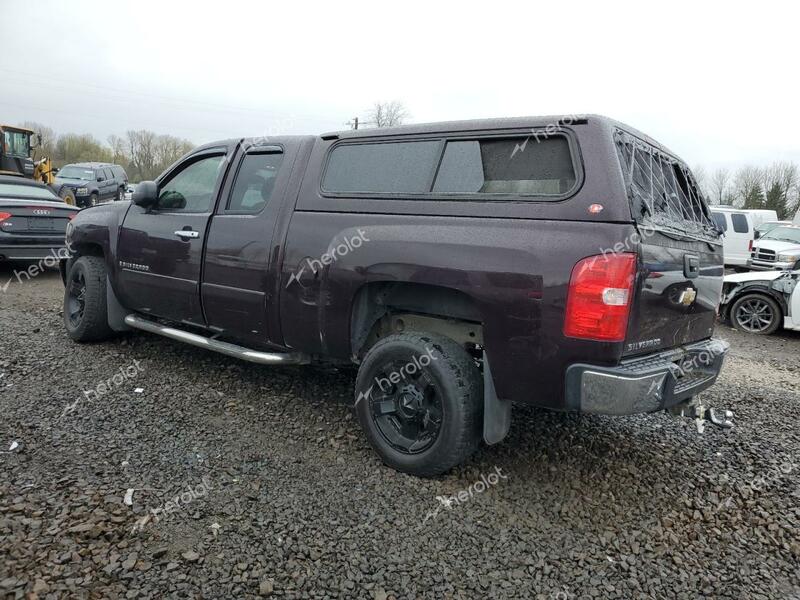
648,383
55,251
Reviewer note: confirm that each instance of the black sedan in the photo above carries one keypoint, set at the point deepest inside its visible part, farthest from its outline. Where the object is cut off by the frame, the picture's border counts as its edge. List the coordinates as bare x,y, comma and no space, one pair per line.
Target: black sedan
33,220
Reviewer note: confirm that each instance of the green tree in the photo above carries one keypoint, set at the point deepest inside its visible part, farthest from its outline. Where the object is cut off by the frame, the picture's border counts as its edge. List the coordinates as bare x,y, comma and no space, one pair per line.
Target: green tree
776,200
754,199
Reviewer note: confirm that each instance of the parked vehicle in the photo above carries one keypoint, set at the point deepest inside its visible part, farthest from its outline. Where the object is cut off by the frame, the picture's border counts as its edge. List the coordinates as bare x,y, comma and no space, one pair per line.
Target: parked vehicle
738,227
778,249
570,264
765,228
762,302
129,191
17,155
33,220
91,183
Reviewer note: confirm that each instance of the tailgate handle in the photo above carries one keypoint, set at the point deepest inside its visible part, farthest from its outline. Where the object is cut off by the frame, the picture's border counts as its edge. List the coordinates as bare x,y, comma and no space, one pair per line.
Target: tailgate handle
691,266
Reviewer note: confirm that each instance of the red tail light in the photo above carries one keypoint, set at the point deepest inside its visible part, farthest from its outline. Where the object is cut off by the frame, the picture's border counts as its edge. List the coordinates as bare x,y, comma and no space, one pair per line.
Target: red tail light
750,247
600,296
4,216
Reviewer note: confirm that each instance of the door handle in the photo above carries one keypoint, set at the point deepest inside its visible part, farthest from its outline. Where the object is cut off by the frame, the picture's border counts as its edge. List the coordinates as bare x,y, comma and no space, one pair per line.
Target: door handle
187,234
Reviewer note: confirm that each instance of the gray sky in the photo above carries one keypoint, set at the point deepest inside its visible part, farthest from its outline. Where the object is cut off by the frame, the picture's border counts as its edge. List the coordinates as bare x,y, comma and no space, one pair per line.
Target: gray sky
715,81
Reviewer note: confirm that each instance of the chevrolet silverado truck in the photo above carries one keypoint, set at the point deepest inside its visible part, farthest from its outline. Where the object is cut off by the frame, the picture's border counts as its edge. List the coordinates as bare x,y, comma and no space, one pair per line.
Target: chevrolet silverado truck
565,262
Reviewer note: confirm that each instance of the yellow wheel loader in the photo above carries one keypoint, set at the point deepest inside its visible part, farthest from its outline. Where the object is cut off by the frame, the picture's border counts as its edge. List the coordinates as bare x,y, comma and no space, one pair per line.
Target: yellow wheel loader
17,157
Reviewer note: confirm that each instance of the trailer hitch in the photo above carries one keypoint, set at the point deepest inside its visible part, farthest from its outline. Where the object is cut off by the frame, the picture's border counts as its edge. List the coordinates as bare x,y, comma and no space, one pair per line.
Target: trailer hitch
695,409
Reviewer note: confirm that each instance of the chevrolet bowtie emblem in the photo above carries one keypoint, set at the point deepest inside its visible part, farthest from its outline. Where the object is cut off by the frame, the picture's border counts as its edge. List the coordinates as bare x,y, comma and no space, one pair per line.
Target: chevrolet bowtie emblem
688,296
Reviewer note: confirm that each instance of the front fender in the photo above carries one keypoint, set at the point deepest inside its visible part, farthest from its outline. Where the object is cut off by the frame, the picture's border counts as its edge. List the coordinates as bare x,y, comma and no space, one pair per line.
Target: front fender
96,230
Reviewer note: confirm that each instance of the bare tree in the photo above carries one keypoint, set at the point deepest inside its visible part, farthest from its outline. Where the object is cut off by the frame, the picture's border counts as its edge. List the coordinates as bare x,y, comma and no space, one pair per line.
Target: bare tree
720,186
168,149
118,147
142,153
388,114
779,181
48,136
748,187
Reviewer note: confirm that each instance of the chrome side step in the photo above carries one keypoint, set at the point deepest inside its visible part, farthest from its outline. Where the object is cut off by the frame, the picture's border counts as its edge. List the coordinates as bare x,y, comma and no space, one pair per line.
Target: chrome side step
256,356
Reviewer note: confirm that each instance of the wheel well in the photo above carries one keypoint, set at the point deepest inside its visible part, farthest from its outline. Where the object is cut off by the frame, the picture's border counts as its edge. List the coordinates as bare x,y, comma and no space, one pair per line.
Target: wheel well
757,291
389,307
78,250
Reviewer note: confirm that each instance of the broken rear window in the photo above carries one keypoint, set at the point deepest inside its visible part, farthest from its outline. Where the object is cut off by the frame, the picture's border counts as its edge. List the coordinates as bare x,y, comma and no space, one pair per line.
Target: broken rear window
662,190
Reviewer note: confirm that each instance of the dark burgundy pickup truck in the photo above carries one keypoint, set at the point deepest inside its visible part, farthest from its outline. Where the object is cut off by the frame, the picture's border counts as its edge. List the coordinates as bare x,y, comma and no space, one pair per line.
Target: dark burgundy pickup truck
566,262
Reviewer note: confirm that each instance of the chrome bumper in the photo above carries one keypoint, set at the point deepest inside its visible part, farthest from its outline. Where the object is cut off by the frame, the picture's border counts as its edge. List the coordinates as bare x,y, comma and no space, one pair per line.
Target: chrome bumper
648,383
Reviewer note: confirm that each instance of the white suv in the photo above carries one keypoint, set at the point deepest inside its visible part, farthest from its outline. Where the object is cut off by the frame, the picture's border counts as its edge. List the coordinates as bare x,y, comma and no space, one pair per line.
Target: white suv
777,249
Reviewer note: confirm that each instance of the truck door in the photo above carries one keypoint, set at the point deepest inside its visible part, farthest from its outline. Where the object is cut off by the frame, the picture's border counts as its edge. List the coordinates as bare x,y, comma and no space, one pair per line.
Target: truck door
239,279
160,250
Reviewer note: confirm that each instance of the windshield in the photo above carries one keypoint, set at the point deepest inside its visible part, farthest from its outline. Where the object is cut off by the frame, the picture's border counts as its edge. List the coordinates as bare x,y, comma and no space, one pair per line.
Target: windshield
76,173
16,143
13,190
784,234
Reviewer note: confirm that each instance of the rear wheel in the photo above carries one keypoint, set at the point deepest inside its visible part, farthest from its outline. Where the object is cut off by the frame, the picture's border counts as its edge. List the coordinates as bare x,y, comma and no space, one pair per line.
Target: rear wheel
756,313
85,310
419,398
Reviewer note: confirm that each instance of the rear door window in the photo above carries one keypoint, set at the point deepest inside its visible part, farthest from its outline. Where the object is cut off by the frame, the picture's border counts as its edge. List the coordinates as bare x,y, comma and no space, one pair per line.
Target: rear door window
518,166
740,224
384,168
255,183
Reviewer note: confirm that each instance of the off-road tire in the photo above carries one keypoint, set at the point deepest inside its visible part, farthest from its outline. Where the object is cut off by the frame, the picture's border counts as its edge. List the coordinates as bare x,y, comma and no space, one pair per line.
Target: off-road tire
459,386
68,196
92,326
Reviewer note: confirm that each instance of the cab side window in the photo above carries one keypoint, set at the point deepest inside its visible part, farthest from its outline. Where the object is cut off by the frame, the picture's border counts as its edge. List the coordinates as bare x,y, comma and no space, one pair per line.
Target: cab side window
719,219
192,189
255,183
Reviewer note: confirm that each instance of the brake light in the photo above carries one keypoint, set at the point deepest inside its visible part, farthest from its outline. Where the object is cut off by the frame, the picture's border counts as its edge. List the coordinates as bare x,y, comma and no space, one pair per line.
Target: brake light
4,216
599,298
750,247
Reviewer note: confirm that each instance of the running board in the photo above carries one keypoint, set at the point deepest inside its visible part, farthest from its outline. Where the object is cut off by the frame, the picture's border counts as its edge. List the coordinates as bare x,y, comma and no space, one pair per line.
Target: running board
256,356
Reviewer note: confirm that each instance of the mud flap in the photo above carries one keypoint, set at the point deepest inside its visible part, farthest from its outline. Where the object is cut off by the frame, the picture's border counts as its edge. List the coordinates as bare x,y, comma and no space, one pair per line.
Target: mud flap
496,412
116,312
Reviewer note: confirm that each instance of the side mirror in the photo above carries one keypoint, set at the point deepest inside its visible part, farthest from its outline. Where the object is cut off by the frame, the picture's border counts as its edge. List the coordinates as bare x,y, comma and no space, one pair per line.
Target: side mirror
757,234
146,194
99,179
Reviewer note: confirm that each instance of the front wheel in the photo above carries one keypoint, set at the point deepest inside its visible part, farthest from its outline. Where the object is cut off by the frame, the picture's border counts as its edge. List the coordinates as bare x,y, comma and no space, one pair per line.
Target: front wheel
93,200
121,194
85,309
756,313
419,398
68,196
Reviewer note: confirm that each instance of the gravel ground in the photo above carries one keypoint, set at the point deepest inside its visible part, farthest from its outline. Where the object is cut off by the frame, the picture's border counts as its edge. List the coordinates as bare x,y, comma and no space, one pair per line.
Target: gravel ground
279,494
